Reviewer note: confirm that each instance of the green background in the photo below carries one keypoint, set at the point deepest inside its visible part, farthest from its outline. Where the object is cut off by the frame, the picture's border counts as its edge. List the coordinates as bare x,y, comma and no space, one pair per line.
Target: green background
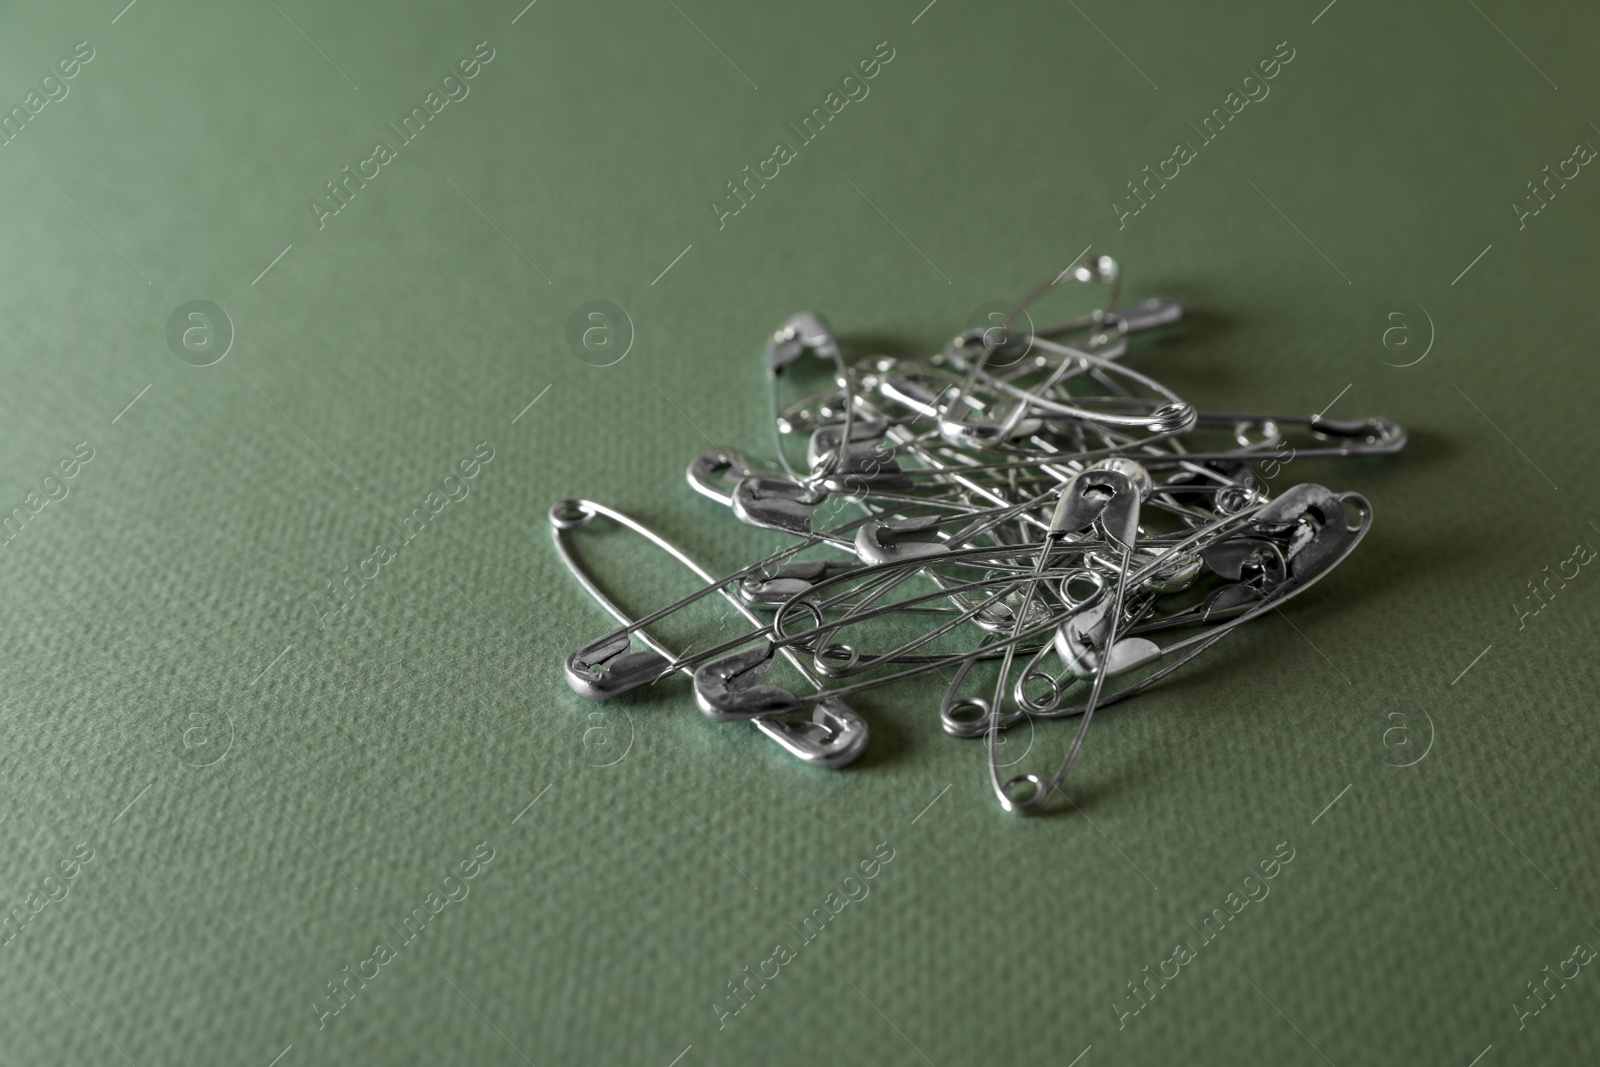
174,589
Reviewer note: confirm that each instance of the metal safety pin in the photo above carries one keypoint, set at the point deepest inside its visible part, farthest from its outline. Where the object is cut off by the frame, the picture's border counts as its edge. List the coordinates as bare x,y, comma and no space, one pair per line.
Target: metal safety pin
801,333
1275,598
1086,268
606,667
834,736
1171,414
1106,500
1285,590
722,682
956,716
1374,436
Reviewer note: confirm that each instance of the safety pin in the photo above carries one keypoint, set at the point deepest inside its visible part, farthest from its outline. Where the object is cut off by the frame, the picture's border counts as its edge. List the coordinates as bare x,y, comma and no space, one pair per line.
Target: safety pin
1106,500
983,556
855,662
1274,597
801,333
1081,502
1136,653
922,403
1374,436
1148,314
722,681
834,736
910,544
1099,269
1172,415
604,668
1193,646
719,684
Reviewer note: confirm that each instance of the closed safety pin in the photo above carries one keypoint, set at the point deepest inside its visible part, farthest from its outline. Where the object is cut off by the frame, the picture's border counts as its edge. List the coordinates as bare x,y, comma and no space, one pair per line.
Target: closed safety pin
805,332
1192,647
1106,500
834,736
1332,542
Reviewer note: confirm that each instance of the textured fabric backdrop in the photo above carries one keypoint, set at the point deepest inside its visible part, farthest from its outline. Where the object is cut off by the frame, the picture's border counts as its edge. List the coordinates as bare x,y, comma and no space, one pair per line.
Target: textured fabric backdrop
240,815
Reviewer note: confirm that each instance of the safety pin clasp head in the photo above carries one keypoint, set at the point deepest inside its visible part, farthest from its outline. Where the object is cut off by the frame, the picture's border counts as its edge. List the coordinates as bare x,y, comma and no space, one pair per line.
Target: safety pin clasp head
776,504
790,581
1373,435
1083,660
714,473
727,689
1081,640
1313,519
606,668
957,428
1103,497
827,440
801,333
896,540
832,737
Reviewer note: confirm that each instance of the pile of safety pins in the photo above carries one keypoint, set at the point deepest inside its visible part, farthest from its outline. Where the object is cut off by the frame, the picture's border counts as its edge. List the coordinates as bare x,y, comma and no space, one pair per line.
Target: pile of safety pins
1022,513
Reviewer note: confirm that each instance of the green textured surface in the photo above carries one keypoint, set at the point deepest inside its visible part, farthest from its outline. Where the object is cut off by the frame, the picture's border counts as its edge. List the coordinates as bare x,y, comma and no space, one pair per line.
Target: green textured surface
381,749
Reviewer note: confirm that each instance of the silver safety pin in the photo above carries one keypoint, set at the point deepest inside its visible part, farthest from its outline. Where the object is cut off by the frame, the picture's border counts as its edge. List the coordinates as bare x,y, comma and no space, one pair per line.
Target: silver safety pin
834,736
